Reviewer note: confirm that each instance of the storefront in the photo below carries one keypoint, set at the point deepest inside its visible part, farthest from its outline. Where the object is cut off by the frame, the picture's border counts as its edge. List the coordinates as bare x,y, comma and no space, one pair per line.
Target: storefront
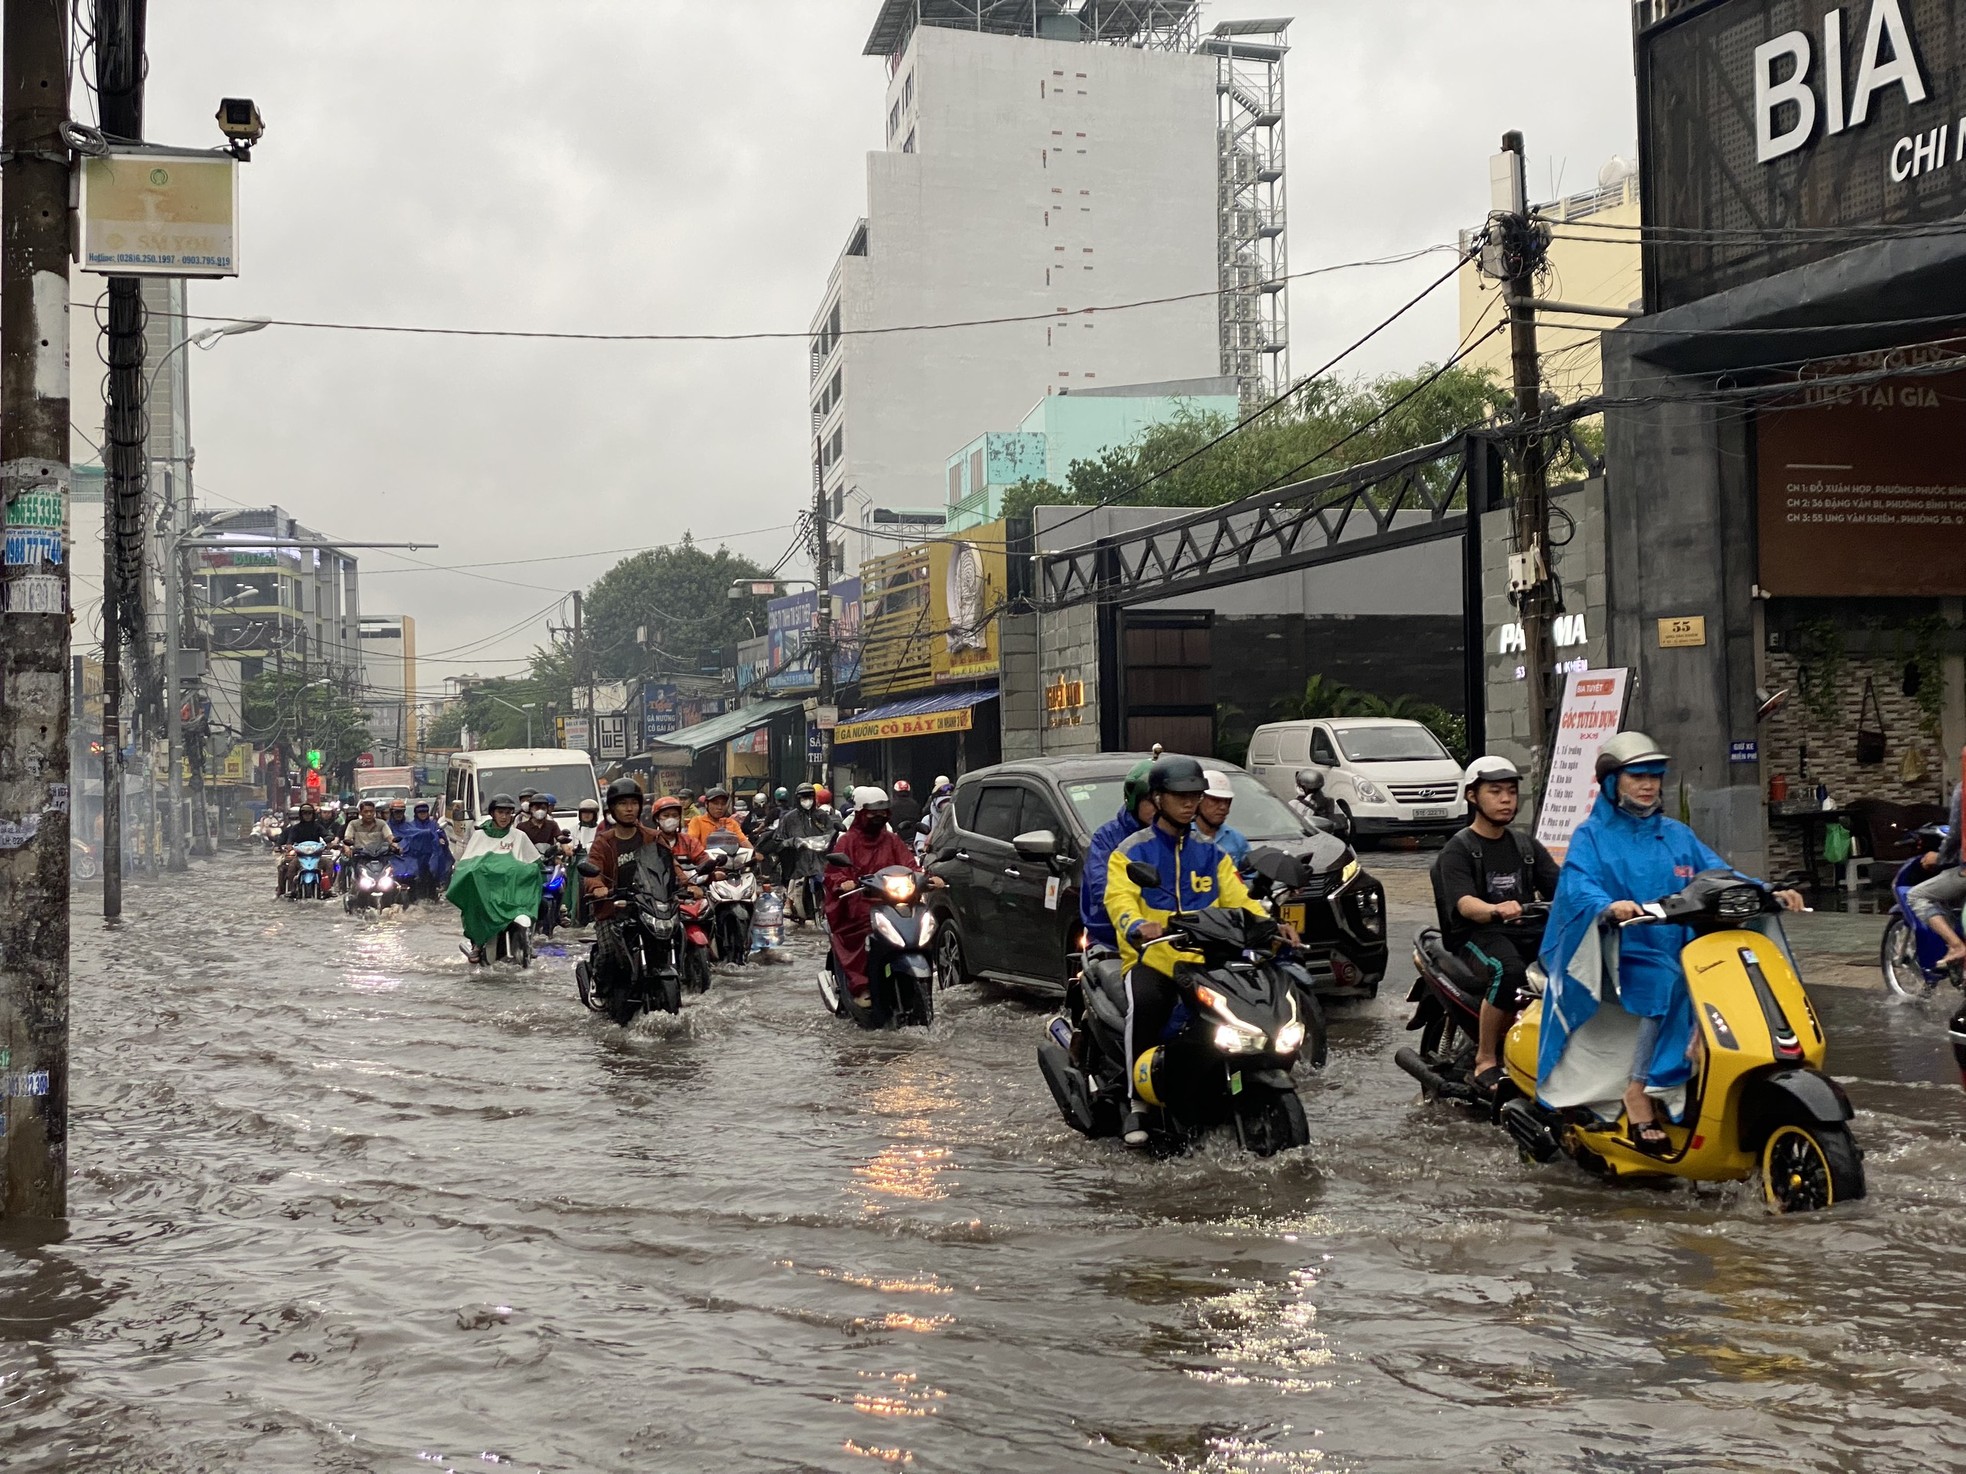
1786,427
946,733
733,749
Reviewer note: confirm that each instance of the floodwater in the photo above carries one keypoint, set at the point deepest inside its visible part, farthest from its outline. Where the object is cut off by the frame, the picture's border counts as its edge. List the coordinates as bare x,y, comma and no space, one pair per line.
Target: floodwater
341,1204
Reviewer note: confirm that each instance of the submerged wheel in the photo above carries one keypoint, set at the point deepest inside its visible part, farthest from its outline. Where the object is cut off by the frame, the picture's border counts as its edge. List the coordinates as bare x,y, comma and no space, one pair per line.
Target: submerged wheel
1804,1168
1897,959
669,992
696,970
950,970
1278,1126
829,992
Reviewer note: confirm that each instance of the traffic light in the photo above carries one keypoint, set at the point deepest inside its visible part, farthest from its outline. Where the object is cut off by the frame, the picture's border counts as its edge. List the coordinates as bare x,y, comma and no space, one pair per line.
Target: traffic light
314,758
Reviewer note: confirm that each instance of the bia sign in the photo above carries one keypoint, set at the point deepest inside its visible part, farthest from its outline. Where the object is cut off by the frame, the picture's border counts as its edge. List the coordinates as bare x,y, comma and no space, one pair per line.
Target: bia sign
1775,133
1792,93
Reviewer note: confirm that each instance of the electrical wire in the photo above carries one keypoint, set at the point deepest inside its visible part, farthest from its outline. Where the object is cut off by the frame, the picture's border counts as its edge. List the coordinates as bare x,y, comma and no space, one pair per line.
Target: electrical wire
1051,315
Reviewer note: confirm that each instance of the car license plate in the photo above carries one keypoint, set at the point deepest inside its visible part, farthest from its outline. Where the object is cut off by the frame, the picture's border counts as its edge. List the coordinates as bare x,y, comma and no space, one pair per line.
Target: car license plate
1433,813
1294,913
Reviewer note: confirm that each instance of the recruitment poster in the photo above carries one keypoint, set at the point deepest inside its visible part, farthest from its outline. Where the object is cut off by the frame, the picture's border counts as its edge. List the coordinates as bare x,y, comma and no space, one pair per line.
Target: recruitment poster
1593,707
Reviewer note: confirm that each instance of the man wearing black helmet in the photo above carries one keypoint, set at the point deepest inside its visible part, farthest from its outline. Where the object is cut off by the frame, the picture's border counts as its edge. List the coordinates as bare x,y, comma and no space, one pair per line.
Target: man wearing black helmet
1194,875
624,836
1482,878
307,826
797,862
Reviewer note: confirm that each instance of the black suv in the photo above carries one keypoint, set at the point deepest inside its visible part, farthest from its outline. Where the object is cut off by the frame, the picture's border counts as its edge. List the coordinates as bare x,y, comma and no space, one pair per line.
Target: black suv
1013,843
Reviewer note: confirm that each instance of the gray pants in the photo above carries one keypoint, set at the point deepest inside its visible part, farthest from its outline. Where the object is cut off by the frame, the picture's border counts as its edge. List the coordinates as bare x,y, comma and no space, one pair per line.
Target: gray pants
1942,895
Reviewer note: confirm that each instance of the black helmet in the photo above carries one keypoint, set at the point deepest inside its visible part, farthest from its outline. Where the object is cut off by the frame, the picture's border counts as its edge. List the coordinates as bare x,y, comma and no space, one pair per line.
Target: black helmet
719,792
623,788
501,801
1176,775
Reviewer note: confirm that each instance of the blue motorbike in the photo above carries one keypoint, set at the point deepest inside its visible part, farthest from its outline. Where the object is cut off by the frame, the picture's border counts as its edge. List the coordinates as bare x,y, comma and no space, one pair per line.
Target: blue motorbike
314,881
1910,952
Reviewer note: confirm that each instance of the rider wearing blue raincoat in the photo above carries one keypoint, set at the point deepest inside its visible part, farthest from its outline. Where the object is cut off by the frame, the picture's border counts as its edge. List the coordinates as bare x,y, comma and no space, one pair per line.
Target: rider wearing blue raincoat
1625,854
425,851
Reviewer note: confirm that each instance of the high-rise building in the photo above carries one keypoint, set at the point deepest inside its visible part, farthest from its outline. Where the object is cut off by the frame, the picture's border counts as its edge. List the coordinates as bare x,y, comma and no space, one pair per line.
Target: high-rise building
389,693
1043,157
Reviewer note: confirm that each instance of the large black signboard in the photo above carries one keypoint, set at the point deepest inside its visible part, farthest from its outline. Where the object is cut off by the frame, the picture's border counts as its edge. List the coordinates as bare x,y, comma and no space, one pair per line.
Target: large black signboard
1777,132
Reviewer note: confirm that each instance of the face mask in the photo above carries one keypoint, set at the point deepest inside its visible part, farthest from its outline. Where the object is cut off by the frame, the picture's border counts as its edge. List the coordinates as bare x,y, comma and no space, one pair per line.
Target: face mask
806,804
871,823
670,823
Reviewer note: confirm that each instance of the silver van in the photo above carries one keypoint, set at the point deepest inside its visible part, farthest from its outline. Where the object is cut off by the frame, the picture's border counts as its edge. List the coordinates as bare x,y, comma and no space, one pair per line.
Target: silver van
1390,775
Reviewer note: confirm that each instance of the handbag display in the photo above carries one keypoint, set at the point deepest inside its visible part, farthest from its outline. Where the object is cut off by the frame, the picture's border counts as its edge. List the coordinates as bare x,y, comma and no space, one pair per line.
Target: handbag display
1871,740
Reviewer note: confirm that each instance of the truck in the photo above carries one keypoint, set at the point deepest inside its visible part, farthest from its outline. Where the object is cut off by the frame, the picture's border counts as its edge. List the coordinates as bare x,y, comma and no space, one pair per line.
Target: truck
384,785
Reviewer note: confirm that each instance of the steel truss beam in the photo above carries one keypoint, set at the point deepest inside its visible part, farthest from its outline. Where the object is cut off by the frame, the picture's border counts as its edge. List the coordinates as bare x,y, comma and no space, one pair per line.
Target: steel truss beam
1416,496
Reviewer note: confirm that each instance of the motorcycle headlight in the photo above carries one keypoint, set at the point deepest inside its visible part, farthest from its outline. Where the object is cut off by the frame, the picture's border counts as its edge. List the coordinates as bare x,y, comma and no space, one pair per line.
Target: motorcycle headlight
1290,1038
928,927
386,883
900,888
1239,1038
368,883
887,929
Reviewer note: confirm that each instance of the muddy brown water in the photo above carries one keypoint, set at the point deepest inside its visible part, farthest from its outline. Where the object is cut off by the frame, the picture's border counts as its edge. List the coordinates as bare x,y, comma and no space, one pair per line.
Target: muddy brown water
341,1204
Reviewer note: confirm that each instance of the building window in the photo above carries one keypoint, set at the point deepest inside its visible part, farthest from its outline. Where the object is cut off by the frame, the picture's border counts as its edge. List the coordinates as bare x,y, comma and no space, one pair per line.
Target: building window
908,92
893,120
955,483
909,146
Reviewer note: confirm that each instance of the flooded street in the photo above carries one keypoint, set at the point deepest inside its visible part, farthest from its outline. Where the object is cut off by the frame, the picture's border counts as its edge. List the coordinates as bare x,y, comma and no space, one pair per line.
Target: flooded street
341,1203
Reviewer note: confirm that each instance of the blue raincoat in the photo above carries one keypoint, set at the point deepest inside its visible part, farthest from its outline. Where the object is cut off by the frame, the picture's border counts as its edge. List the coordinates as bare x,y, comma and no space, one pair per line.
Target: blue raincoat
425,851
1616,856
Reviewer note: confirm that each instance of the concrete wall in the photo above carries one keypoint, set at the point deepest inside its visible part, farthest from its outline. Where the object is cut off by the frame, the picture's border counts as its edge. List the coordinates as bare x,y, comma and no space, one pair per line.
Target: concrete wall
1045,174
1580,564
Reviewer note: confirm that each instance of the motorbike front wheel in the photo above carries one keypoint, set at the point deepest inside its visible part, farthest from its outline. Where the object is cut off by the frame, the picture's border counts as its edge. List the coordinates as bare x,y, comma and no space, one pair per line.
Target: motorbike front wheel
830,992
1275,1125
1804,1168
669,992
696,970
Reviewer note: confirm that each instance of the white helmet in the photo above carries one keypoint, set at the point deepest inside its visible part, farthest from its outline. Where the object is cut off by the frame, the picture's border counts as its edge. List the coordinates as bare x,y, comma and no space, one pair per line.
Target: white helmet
1489,769
870,798
1218,784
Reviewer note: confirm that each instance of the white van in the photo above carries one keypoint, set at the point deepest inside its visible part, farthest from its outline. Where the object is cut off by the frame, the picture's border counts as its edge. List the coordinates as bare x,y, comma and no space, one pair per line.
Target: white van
1391,775
476,776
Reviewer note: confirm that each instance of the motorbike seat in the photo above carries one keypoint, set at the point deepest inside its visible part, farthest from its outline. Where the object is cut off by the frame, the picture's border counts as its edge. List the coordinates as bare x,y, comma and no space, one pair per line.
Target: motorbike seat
1105,972
1448,965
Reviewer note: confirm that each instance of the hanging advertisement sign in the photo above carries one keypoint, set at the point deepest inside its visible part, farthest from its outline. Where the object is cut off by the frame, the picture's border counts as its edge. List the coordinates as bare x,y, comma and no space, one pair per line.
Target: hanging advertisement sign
925,725
158,214
611,737
1593,708
578,734
966,589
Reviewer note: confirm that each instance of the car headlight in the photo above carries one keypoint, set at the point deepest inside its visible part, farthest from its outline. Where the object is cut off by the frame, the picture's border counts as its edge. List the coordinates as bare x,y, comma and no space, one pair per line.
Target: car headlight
887,929
928,927
1371,793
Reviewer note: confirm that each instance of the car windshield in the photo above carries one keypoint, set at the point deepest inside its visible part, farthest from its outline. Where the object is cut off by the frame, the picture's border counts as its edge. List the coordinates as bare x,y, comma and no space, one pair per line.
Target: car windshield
569,783
1257,812
1399,744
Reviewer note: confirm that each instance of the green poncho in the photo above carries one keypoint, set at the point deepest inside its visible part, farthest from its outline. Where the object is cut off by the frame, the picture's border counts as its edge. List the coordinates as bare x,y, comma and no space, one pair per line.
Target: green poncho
496,882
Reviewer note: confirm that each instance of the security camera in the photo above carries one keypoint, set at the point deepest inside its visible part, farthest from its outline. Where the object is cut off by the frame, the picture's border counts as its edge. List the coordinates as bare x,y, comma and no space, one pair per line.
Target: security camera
240,121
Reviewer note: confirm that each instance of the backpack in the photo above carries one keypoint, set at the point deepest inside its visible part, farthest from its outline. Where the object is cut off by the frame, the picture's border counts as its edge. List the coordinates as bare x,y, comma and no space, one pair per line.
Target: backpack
1525,849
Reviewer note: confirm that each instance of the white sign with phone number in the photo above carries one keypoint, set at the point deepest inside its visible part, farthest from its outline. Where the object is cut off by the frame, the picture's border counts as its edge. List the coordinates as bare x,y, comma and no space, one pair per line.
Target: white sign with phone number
1593,707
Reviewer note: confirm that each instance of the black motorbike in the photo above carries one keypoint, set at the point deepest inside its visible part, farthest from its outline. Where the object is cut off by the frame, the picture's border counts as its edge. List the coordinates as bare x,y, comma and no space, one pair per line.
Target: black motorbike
1245,1019
1337,906
635,963
900,982
1446,998
369,884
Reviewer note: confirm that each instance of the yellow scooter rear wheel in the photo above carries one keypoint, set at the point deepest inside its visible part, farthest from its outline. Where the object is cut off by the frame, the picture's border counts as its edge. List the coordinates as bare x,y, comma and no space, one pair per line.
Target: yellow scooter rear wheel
1804,1168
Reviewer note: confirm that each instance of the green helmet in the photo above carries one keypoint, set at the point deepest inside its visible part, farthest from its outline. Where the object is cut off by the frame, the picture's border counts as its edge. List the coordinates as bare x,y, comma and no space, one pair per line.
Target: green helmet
1136,783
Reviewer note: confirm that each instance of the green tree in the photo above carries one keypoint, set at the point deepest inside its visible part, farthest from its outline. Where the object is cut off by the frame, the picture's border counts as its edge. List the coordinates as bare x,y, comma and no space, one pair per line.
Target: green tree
678,599
299,712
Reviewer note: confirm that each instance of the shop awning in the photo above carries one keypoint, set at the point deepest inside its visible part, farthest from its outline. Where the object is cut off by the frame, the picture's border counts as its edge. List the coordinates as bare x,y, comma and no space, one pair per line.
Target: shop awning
681,746
921,716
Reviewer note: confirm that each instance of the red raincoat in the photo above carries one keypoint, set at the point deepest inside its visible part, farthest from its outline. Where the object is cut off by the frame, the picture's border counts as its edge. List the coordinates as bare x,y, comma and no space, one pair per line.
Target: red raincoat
849,910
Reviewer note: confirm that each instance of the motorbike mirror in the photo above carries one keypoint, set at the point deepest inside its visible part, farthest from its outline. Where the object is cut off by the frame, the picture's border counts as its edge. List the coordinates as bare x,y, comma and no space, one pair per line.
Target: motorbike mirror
1327,826
839,860
1310,780
1142,875
1037,844
588,868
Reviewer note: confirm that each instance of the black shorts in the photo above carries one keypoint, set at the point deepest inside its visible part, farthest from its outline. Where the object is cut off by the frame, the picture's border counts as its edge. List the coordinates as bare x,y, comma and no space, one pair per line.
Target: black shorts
1500,957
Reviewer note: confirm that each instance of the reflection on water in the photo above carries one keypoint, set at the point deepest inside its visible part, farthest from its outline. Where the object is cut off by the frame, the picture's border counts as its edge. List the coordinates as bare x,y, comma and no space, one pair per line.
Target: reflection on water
342,1202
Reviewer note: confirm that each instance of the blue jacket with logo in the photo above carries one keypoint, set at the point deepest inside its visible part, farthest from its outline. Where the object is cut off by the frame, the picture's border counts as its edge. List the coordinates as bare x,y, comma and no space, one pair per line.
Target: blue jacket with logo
1092,881
1195,875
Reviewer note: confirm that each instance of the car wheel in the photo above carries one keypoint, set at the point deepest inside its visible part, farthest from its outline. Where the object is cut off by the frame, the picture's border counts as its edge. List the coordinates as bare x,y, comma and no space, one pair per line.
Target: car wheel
950,969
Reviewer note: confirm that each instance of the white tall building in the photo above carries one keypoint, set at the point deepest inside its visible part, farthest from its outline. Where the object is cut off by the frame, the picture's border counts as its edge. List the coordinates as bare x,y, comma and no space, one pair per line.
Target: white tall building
1043,156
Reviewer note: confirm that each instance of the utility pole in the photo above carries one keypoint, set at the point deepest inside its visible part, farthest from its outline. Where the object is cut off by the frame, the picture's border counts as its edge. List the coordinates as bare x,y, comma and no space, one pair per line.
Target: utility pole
34,771
823,556
175,858
119,48
583,672
1522,250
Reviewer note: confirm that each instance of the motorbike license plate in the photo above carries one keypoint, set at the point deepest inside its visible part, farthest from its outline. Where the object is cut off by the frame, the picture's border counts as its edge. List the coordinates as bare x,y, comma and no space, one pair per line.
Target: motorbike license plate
1294,913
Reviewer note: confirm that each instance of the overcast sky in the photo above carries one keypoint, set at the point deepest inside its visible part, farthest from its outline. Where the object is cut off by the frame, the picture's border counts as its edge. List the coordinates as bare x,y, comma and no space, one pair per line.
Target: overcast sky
650,165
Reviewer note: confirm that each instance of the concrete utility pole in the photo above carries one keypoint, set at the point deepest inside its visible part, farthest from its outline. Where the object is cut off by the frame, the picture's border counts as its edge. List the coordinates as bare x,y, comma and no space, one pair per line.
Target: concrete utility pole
119,48
34,772
823,628
1529,573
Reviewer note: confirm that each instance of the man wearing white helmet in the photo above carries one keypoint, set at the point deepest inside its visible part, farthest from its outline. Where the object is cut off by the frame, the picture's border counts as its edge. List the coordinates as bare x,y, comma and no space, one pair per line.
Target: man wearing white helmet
1482,878
869,846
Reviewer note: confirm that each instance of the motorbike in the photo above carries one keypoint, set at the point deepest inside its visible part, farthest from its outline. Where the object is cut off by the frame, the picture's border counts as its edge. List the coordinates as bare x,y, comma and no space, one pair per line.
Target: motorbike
315,876
733,898
900,983
635,963
553,891
805,893
82,864
1759,1105
1245,1019
1446,998
1909,953
370,884
1314,807
1337,906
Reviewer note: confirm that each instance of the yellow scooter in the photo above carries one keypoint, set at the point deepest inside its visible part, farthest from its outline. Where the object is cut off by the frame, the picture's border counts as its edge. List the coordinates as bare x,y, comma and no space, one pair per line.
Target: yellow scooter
1758,1105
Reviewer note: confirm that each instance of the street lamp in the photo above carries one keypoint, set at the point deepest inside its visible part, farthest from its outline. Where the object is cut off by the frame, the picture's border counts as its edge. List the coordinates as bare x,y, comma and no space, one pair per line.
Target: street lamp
528,708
